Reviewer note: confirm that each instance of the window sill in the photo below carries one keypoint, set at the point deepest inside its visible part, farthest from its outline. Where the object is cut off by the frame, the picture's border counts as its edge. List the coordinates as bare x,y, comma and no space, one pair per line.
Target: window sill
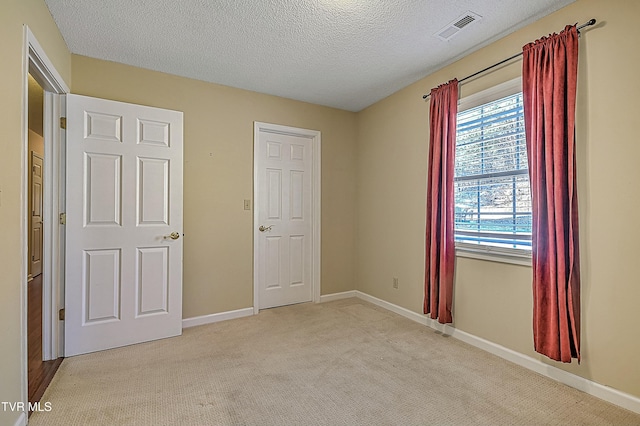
486,253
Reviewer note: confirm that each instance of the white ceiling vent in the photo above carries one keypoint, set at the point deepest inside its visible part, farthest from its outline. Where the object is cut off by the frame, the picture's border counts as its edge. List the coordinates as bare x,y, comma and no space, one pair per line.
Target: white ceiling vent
456,25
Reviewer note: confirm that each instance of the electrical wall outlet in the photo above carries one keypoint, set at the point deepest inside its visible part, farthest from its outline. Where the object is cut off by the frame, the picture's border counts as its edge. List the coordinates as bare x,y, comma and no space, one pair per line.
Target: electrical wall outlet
395,282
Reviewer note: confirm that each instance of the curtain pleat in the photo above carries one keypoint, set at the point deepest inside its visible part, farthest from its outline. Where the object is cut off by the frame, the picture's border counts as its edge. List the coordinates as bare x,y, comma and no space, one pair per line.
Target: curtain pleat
549,79
440,248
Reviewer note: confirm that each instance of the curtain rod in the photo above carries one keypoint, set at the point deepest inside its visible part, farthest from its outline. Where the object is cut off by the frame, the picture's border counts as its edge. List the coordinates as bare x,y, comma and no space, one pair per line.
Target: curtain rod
587,24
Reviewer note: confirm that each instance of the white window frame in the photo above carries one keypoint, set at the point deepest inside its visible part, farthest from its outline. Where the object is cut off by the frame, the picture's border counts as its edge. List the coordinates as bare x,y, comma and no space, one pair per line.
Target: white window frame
488,252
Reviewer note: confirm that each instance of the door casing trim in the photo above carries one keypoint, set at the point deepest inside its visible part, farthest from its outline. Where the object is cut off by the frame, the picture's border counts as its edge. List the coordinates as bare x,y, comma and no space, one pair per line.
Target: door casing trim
36,62
316,144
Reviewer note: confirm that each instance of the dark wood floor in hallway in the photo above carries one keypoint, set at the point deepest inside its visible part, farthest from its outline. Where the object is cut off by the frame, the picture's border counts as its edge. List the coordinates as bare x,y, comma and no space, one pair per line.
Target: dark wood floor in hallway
40,372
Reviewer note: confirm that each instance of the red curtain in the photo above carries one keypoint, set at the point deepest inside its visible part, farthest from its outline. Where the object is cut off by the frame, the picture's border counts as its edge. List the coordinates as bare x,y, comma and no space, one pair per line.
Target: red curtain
549,76
440,250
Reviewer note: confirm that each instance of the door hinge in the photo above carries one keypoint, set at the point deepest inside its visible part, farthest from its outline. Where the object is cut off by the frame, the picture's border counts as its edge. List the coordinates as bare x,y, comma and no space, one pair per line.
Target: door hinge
63,218
63,122
61,314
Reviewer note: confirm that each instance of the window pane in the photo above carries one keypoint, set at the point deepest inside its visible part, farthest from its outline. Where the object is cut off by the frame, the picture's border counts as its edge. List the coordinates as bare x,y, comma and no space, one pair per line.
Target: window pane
492,199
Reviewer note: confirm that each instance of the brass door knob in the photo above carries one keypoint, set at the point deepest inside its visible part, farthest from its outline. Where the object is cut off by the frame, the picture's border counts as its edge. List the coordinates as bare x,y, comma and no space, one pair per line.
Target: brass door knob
173,236
265,228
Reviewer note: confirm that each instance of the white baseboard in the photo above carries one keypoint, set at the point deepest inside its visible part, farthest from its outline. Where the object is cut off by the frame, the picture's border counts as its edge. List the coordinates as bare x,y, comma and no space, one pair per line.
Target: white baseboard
22,420
337,296
606,393
222,316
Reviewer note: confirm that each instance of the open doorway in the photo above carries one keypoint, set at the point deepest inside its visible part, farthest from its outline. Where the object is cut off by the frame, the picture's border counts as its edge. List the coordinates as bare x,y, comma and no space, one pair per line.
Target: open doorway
42,229
40,372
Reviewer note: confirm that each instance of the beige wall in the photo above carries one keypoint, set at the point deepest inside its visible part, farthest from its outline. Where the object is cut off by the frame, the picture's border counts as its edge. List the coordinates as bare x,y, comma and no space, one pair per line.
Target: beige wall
13,14
36,106
493,300
218,176
36,143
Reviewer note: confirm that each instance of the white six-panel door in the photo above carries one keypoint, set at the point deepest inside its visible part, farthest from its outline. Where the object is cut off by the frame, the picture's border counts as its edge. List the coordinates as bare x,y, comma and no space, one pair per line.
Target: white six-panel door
36,242
124,201
284,250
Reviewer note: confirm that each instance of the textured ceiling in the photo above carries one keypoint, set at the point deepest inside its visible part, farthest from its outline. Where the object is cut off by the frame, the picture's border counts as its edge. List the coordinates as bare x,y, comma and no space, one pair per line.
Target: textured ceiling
342,53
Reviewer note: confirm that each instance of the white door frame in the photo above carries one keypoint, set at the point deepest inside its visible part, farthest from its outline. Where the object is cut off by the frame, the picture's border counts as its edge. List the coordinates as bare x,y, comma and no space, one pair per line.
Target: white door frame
36,62
316,143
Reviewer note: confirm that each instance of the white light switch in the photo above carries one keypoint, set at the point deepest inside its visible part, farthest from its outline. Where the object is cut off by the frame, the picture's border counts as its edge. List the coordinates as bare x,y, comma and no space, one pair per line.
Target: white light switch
247,204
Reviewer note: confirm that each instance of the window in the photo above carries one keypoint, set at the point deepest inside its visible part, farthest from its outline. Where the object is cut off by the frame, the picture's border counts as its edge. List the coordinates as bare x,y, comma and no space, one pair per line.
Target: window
491,183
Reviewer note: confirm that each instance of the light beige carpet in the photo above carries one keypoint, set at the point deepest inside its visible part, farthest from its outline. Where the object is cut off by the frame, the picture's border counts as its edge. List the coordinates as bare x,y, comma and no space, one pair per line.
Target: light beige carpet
340,363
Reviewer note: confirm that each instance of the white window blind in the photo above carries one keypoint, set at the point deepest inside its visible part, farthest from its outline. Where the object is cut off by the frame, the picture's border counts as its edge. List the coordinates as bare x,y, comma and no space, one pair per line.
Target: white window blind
492,196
